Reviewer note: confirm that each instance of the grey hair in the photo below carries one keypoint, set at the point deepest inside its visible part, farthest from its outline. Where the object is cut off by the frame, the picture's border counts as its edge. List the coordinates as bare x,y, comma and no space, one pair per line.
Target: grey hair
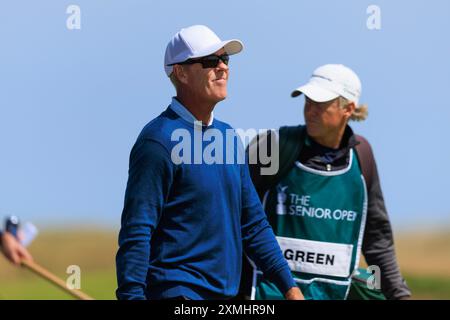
174,80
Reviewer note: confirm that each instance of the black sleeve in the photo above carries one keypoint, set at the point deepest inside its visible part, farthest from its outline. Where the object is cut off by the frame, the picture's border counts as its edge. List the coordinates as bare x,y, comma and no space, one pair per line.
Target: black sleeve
378,244
261,182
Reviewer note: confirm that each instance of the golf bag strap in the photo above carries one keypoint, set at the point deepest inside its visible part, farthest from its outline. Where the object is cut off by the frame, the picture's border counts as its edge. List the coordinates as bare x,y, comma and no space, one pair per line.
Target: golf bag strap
366,159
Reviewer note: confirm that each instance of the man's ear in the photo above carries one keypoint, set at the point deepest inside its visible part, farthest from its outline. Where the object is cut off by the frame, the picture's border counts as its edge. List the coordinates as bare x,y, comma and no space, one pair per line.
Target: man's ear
180,73
349,109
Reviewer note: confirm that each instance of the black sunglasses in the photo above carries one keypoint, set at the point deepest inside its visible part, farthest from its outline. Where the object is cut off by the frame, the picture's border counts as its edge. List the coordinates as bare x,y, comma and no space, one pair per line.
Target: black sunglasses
211,61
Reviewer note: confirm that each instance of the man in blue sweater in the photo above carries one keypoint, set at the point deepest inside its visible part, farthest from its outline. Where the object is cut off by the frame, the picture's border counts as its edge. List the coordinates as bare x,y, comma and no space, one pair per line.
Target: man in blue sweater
187,221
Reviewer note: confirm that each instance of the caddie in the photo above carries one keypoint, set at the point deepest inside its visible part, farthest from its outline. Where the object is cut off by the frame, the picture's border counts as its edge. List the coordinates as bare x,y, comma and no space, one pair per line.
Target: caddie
325,203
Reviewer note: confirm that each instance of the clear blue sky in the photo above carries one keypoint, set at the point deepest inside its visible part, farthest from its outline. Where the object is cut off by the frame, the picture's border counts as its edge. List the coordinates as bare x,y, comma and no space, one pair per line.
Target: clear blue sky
72,102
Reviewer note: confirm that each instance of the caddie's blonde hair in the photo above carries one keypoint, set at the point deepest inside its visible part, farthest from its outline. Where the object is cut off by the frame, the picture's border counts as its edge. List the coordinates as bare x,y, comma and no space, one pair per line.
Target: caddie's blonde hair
361,111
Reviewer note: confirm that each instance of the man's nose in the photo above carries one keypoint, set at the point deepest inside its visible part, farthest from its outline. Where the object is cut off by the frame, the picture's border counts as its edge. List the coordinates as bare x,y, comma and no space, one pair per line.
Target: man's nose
222,66
312,111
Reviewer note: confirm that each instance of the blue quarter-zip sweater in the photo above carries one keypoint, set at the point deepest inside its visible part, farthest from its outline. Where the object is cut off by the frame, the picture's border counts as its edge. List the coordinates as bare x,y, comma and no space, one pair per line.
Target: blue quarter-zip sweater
186,226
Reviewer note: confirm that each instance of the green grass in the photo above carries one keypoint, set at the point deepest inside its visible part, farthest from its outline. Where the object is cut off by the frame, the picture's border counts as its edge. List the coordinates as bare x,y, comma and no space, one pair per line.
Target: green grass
429,287
101,286
98,285
94,251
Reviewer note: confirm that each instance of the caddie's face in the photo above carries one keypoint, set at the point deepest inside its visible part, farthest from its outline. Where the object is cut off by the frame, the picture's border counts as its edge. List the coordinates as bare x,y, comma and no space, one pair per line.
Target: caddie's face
323,118
208,84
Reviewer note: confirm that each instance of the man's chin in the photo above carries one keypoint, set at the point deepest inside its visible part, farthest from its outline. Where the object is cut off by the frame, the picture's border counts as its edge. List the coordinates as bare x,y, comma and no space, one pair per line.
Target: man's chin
312,131
220,97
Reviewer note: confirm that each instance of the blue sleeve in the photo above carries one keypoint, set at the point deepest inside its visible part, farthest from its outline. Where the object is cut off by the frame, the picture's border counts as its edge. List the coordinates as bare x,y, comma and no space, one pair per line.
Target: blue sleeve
259,240
149,178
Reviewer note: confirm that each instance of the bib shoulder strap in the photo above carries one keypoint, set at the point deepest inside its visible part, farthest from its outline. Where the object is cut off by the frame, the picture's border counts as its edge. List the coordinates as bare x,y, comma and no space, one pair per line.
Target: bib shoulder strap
291,143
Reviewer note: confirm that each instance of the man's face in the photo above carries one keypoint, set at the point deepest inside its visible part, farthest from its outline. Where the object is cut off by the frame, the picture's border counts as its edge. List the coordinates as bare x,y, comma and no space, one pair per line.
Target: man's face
207,84
324,118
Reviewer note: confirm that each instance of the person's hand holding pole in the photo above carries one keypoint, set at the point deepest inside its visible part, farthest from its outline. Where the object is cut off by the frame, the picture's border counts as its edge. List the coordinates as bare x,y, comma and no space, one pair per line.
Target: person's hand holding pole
13,250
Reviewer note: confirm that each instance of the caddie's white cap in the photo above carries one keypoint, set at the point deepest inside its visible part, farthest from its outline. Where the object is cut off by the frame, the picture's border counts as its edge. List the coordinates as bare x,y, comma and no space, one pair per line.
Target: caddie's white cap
196,42
329,82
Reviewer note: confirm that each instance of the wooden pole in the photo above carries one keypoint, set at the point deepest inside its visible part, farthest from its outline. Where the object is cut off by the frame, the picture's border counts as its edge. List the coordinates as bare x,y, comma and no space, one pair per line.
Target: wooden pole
40,271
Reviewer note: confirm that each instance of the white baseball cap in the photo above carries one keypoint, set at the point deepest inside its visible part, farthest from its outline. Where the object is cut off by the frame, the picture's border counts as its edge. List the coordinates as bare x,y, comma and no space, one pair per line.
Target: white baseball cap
196,42
329,82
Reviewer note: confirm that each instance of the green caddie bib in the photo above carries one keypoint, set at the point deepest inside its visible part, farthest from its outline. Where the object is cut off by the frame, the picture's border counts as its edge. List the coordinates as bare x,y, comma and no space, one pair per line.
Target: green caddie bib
318,218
